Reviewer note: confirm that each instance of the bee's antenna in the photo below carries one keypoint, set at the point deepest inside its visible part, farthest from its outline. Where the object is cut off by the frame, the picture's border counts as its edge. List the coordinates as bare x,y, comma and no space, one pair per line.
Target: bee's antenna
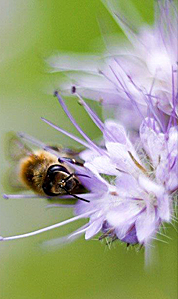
75,196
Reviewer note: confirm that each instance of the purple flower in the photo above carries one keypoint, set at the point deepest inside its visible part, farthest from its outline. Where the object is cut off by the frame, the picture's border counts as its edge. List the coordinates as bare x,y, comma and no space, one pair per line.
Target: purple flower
124,77
131,188
131,182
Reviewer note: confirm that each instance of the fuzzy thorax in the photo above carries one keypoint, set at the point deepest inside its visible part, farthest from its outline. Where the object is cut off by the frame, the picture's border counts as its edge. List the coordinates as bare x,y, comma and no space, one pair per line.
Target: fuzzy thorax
33,169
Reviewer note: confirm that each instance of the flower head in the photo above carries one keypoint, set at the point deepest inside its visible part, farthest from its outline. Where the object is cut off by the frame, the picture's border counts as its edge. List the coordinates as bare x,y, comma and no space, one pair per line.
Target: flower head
131,182
144,66
130,189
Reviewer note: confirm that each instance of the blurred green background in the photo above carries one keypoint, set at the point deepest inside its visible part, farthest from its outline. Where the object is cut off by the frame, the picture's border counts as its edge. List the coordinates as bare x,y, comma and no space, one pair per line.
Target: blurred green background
30,31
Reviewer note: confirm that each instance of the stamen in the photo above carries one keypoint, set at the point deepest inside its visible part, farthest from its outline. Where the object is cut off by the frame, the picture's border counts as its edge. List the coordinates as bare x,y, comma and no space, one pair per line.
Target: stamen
20,196
137,163
81,230
150,96
105,76
95,118
73,89
45,229
67,133
164,235
91,113
57,205
66,239
173,113
63,105
126,91
148,102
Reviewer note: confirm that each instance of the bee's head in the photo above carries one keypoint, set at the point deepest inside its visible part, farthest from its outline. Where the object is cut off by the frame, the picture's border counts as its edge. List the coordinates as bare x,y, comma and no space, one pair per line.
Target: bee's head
57,181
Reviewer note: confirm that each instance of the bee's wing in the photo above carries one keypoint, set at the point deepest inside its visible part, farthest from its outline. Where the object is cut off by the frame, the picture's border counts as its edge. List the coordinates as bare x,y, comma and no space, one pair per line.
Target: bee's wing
70,153
65,152
11,180
16,149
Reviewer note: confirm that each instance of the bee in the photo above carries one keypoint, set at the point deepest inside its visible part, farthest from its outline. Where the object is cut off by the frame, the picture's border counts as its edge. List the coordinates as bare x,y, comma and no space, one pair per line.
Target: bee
42,172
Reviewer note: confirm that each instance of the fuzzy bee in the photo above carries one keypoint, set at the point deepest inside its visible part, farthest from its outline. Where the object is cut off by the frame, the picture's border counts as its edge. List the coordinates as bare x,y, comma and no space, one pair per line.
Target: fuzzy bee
41,171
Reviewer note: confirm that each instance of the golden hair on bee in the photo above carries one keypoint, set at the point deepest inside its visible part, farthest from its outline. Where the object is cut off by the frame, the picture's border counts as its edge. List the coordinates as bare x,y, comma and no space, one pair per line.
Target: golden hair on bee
33,169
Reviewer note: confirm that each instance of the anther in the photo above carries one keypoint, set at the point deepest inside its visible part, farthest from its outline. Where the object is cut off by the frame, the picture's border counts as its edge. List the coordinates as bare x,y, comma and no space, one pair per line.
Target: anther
73,89
55,93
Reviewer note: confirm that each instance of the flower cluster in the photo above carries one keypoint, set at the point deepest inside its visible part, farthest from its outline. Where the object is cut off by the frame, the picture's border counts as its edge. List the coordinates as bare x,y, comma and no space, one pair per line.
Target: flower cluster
131,190
142,72
131,184
134,193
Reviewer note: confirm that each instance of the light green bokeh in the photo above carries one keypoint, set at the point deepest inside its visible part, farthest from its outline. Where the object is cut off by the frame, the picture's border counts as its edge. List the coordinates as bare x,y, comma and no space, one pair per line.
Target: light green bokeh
30,31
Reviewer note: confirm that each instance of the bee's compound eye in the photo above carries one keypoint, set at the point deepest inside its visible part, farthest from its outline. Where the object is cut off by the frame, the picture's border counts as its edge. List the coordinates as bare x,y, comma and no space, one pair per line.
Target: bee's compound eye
55,174
47,187
56,168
